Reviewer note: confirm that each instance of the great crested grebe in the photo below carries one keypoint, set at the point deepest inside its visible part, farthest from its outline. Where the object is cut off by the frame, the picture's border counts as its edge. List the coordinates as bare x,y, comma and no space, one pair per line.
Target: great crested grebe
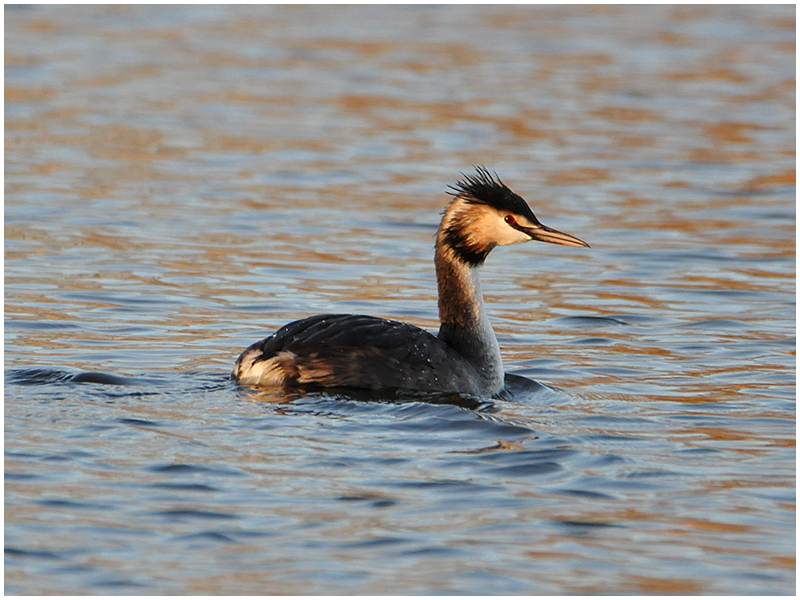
360,352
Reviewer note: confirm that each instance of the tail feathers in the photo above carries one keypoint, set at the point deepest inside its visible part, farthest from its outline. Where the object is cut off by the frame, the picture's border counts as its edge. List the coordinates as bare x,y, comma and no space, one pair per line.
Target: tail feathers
283,369
253,369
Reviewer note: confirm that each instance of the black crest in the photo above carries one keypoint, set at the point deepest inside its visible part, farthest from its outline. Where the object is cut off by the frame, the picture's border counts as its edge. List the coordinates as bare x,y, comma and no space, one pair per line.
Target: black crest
483,188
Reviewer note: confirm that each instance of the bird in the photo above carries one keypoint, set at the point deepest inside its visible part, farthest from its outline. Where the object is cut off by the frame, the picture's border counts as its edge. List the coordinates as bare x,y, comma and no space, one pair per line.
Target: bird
358,352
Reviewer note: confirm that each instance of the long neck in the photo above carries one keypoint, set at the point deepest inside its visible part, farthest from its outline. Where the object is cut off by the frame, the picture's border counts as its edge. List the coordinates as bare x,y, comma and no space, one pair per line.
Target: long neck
465,325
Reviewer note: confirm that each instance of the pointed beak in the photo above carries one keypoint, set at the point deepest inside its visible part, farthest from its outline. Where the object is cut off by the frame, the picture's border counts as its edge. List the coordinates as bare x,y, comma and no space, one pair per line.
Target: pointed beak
543,233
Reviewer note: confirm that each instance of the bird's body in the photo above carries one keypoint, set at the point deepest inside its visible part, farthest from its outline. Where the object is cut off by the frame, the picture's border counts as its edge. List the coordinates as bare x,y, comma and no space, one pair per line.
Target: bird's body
362,352
358,351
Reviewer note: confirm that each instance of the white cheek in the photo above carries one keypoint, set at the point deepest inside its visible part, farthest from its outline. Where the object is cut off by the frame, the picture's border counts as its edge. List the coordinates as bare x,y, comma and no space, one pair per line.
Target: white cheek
491,228
508,235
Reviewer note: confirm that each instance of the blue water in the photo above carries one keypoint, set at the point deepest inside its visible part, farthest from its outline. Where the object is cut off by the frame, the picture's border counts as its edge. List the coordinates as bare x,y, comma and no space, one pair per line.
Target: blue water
182,181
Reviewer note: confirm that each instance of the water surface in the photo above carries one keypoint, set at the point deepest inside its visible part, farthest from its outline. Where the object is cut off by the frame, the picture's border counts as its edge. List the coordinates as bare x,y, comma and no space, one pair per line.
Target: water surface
181,181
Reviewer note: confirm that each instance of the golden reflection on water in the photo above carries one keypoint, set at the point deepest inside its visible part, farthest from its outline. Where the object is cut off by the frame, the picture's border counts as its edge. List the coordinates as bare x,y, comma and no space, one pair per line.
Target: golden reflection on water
210,180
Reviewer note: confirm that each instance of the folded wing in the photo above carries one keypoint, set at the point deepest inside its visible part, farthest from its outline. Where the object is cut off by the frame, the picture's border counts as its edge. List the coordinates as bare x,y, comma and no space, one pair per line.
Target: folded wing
354,351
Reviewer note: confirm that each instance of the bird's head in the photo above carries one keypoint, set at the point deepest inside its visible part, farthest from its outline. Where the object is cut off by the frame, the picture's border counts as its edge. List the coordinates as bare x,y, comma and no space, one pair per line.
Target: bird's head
485,213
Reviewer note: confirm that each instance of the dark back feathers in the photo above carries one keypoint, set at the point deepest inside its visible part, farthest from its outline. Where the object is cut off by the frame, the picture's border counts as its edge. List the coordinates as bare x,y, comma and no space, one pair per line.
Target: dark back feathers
369,353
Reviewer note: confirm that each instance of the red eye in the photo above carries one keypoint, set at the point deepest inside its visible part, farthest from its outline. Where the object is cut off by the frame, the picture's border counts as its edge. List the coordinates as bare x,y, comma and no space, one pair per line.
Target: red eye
510,219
